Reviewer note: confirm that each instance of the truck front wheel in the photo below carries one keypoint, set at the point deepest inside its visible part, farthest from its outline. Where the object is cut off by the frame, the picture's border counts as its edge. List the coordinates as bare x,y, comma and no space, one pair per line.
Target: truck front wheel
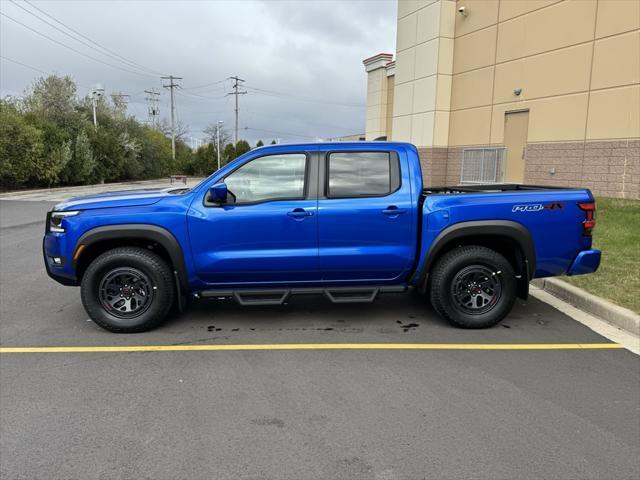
127,290
473,287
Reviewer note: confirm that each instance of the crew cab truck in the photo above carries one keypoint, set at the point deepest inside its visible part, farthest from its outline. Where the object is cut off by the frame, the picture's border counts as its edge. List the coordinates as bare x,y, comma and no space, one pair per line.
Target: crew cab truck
349,221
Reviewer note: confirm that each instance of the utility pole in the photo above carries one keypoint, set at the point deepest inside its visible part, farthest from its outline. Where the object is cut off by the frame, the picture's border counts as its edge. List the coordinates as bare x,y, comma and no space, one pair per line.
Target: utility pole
236,85
220,122
171,86
153,110
95,94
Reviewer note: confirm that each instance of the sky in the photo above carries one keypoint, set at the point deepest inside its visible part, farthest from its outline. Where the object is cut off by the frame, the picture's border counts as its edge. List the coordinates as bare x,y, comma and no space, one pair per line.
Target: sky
301,60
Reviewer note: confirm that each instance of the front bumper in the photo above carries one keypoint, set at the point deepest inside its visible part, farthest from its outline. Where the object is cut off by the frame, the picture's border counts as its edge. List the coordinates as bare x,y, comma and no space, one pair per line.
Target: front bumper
53,246
587,261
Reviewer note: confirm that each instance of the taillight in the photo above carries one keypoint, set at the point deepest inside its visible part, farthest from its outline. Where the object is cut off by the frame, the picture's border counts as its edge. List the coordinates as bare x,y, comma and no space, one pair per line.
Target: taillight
589,222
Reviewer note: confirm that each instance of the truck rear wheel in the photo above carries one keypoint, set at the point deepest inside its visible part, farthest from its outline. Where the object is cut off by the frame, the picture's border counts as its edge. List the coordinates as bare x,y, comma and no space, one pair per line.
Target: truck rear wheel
127,290
473,287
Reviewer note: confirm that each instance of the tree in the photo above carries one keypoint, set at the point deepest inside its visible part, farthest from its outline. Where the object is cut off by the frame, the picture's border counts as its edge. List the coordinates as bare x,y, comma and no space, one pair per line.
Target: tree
273,142
259,144
82,164
181,128
53,98
119,105
48,138
48,167
242,147
211,132
21,147
204,162
83,158
155,154
228,154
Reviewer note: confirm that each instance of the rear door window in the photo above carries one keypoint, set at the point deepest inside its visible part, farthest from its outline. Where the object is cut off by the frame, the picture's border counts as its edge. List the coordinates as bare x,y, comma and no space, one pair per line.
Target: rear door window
362,174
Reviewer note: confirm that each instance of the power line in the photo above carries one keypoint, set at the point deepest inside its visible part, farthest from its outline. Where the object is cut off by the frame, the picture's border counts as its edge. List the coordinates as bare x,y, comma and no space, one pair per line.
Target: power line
203,112
303,120
236,85
111,52
36,69
273,93
114,56
71,48
289,134
200,96
23,64
205,85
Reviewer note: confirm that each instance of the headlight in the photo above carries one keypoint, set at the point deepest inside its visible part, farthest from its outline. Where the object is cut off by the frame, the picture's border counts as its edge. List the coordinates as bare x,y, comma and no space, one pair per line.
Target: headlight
55,220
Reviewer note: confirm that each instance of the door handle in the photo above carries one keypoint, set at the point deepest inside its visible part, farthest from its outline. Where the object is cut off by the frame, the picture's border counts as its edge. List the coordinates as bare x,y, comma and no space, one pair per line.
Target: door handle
393,210
299,213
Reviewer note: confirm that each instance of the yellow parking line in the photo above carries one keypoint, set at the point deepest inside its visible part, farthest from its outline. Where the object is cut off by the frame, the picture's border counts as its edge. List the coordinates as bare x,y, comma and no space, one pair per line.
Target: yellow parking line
316,346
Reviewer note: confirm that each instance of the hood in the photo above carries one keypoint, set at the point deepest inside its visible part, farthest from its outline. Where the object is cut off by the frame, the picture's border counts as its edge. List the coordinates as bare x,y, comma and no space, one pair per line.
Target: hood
125,198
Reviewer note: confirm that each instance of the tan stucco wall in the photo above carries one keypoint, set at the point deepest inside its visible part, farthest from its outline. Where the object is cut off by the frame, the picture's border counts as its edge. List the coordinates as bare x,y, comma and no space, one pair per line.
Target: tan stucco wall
377,102
576,61
424,63
389,112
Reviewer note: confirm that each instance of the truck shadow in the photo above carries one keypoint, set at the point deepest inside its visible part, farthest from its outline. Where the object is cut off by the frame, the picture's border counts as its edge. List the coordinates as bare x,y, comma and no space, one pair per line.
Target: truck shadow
392,318
403,311
389,313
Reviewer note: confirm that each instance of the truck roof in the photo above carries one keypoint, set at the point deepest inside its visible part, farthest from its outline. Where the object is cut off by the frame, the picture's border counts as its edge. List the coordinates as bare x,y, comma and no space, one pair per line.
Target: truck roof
336,144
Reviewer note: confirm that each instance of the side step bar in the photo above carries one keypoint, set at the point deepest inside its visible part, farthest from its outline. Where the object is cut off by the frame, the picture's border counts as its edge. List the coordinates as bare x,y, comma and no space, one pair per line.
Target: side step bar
274,296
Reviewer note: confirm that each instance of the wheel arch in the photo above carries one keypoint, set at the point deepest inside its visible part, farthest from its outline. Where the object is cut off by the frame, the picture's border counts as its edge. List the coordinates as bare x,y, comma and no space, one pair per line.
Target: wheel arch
100,239
510,239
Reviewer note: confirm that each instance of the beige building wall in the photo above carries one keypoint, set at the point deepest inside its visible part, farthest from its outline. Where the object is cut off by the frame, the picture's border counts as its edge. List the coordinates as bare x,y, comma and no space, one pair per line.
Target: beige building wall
377,95
391,78
422,88
576,62
573,65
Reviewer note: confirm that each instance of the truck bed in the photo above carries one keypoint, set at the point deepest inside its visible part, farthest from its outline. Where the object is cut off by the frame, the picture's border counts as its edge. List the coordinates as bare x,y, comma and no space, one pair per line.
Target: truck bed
490,188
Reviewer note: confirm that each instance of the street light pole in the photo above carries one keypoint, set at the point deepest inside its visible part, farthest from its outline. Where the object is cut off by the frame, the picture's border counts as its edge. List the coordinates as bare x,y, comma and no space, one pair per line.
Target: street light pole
96,92
93,102
220,122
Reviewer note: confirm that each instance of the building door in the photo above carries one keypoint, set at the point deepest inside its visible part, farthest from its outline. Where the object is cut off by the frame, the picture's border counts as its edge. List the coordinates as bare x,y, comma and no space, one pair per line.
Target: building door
516,126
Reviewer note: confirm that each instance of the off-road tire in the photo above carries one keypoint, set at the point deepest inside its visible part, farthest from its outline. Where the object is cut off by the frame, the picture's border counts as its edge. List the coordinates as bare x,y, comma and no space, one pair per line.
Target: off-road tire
447,269
161,284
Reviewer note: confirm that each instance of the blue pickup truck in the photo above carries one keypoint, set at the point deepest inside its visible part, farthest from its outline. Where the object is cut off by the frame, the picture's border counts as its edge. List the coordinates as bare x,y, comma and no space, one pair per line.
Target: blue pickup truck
349,221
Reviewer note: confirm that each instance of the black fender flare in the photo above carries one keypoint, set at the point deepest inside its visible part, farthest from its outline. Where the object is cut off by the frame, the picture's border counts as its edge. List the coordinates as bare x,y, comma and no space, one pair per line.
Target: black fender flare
503,228
152,233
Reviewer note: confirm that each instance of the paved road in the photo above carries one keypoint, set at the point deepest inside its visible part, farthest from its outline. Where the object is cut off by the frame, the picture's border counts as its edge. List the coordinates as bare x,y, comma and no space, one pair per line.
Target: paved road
63,193
301,414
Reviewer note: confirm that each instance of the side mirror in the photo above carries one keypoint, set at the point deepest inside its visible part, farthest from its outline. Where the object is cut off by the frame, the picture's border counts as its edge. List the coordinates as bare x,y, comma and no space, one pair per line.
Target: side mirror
219,193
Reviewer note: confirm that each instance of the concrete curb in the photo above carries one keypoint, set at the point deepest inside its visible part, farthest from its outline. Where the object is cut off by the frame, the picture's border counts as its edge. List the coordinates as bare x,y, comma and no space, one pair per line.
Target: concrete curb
587,302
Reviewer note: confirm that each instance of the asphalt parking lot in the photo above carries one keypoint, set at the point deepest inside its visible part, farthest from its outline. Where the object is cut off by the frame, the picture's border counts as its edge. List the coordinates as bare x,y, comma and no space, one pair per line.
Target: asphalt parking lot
302,414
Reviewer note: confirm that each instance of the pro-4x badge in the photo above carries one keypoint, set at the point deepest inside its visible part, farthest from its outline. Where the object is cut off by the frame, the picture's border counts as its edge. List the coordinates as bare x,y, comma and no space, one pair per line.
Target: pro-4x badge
536,207
554,206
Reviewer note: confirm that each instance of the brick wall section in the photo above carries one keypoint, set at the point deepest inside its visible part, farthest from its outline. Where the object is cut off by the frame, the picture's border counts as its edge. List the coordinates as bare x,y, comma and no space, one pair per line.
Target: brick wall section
609,168
434,165
454,165
557,164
